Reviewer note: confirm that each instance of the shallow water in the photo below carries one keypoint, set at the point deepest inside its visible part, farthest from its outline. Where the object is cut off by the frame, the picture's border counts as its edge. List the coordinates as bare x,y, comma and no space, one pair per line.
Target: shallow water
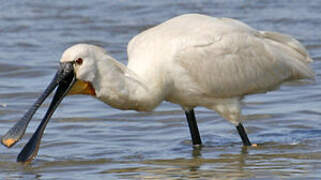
87,139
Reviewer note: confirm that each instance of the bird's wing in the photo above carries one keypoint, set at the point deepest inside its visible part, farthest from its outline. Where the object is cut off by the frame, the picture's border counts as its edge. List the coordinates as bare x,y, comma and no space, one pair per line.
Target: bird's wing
243,63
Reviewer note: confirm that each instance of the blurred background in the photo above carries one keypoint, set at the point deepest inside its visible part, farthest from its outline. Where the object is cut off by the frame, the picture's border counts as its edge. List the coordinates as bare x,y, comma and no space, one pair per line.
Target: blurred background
87,139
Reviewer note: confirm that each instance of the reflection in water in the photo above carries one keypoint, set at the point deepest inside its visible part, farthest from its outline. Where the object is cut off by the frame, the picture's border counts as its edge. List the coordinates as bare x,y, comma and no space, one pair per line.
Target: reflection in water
267,160
30,172
227,165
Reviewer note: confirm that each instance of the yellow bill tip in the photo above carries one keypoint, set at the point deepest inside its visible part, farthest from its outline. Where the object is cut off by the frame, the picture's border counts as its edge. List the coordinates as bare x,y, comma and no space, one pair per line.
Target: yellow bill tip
8,142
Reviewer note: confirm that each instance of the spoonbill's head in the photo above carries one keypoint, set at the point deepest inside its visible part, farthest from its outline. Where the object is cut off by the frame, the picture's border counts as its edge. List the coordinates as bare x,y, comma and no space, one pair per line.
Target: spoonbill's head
76,72
81,60
75,75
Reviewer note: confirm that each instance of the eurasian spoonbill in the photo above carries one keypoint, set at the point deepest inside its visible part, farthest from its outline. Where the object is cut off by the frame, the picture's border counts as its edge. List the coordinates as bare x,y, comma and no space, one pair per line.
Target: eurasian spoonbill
190,60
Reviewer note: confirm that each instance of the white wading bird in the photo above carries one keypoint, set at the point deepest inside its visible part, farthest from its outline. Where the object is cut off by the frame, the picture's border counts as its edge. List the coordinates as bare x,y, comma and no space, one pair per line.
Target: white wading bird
191,60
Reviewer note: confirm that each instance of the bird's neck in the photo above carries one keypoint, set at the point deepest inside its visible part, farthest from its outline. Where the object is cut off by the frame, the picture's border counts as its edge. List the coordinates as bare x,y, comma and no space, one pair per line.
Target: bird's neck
121,88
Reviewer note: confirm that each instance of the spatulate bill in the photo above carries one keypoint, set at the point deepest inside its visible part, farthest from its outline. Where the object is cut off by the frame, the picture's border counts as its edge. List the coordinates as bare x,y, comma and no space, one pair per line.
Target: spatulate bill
17,131
66,81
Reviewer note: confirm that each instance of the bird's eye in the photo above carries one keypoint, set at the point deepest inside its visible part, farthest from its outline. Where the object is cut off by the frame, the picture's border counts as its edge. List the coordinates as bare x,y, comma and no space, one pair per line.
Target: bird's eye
79,61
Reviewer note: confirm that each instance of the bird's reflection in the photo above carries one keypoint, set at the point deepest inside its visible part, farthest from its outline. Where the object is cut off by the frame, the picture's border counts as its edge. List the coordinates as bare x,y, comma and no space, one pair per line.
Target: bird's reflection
197,151
236,160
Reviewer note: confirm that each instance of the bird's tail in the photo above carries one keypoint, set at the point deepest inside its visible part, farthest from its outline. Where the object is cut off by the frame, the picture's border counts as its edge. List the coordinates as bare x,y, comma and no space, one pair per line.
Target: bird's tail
294,54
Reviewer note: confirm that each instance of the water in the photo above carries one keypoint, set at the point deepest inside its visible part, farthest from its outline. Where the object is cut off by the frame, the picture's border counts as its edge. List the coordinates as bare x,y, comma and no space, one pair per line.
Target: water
87,139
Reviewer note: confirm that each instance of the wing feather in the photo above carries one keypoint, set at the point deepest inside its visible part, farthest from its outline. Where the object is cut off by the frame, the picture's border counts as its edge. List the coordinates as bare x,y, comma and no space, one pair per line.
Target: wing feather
223,56
244,63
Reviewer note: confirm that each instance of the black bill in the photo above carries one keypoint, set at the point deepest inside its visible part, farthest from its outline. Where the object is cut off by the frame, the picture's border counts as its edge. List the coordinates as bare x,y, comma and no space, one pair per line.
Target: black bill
64,79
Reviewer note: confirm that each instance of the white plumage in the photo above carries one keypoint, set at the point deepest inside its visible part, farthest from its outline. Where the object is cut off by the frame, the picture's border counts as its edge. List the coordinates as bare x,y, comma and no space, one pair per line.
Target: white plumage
193,60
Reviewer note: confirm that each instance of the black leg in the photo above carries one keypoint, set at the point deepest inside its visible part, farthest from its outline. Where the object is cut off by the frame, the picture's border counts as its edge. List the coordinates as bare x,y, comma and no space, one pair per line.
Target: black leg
196,138
242,133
